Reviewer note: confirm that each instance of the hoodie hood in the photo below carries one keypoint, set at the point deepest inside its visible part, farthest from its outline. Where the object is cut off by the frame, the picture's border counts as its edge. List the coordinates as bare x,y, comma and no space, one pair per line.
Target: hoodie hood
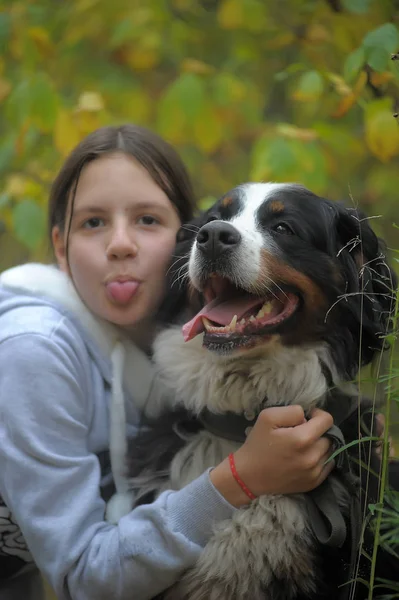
122,363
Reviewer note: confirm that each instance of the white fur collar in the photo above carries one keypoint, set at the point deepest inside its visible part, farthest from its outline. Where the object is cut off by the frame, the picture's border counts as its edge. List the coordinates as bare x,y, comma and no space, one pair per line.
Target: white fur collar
49,282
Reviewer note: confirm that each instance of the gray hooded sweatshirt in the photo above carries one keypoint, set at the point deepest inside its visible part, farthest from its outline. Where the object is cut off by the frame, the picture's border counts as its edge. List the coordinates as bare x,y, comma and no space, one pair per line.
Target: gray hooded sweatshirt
73,387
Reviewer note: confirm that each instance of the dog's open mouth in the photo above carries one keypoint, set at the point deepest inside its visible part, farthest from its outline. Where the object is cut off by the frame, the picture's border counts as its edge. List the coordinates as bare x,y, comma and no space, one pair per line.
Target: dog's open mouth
235,316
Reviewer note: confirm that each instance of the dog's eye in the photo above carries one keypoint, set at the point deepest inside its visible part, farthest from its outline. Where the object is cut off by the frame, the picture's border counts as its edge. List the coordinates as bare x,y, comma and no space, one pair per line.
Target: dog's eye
283,228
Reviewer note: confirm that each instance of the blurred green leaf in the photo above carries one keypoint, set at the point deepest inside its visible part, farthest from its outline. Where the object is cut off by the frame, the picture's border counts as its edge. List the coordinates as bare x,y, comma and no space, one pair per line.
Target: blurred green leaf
121,33
18,104
44,102
378,59
29,223
272,158
5,30
206,202
386,37
7,150
354,63
310,86
188,91
357,6
5,200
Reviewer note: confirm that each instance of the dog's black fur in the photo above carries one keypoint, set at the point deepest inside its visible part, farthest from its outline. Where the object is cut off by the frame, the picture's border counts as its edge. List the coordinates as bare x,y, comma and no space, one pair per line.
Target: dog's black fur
327,256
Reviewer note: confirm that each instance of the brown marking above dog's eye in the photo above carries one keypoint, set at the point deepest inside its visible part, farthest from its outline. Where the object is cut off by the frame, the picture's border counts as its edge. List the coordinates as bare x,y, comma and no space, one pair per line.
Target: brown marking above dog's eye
227,201
276,206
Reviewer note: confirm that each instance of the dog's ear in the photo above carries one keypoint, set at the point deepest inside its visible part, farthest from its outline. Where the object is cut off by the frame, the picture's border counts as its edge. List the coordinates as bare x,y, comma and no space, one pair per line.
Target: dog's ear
370,282
178,293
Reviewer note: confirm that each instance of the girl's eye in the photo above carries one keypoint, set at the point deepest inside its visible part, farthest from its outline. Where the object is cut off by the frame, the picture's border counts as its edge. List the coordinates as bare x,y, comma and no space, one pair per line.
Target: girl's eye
283,228
93,223
148,220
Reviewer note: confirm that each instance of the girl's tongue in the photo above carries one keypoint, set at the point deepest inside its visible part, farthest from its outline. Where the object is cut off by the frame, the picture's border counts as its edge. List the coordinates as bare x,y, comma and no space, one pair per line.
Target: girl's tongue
122,292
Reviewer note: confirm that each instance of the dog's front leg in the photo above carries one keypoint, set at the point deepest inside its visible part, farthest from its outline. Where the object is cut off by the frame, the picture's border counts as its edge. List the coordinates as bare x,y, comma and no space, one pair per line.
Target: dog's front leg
264,553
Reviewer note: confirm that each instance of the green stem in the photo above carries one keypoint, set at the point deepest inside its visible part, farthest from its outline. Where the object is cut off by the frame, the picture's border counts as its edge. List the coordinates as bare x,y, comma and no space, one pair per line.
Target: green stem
385,451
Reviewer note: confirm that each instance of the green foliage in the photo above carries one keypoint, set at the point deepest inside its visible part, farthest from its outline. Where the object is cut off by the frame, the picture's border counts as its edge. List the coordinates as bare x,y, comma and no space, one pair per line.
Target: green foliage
245,89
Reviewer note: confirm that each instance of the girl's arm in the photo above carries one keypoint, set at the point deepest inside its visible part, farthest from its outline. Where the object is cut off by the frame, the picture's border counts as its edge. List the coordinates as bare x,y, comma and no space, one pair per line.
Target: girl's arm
50,481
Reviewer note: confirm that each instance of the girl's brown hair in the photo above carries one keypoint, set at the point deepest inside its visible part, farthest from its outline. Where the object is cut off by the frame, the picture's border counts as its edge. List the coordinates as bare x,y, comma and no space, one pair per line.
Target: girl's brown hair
157,156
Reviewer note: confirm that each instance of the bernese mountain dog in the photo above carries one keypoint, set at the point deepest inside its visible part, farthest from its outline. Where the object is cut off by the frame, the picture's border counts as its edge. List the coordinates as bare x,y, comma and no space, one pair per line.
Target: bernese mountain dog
276,297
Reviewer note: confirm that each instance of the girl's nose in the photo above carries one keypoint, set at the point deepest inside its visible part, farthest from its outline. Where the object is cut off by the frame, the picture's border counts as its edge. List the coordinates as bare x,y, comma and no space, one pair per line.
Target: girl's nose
121,244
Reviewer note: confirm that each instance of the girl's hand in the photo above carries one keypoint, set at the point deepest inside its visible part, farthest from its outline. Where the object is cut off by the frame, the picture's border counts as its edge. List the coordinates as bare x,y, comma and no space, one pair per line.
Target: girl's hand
283,454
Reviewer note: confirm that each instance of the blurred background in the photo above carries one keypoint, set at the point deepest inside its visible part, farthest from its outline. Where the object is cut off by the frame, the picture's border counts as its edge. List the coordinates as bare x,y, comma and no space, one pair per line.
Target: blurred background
283,90
287,90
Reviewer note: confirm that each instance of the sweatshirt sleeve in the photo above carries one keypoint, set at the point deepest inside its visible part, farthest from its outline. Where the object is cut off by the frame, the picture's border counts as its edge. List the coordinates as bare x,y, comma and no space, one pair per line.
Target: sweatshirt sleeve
50,482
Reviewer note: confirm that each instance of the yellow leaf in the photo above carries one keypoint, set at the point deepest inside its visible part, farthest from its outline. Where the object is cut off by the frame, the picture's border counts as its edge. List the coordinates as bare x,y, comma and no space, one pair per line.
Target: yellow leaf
6,217
66,132
231,14
42,40
139,105
378,79
282,40
5,88
85,5
90,101
344,105
350,99
172,123
15,185
192,65
207,129
317,34
341,87
296,133
382,133
142,59
87,121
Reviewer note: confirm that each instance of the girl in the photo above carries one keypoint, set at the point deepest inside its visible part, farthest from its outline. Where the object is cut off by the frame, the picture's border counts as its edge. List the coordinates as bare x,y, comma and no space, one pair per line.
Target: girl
74,357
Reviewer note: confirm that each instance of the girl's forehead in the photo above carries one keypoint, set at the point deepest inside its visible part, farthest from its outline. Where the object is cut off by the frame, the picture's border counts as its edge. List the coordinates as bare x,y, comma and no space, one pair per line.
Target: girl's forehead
115,179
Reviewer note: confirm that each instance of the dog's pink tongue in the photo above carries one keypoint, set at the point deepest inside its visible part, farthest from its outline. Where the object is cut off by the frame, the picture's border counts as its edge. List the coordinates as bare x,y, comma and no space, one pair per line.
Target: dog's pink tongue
122,291
220,313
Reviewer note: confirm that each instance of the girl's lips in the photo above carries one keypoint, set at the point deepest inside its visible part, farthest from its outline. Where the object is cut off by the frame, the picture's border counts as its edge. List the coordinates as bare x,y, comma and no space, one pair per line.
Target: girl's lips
121,291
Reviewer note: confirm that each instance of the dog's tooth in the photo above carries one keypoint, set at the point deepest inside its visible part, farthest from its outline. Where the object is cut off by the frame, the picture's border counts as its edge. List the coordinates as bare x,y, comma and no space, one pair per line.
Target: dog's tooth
207,324
267,308
242,322
252,318
233,323
260,314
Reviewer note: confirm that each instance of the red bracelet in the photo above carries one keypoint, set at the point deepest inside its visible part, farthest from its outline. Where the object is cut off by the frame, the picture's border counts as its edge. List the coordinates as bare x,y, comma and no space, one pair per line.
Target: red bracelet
242,485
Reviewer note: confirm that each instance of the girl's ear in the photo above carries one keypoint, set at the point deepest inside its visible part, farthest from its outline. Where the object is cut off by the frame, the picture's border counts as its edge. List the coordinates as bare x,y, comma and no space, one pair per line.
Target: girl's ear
59,245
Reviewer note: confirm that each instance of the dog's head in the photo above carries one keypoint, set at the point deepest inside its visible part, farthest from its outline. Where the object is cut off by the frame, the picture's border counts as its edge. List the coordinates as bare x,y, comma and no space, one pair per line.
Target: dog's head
275,261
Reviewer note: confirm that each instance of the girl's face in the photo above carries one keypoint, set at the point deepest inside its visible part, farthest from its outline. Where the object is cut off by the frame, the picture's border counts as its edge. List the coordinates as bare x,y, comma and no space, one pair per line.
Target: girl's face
122,235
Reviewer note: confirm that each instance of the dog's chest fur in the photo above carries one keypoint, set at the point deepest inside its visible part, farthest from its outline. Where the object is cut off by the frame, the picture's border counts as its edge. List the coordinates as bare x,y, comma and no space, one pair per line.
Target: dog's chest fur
199,380
269,539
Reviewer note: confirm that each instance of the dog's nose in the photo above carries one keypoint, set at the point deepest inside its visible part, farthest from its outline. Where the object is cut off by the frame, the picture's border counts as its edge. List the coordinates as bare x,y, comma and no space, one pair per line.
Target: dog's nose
217,237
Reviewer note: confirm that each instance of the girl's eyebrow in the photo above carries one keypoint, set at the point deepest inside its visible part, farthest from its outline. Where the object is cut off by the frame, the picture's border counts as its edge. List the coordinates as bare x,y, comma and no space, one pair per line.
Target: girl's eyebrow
88,209
143,205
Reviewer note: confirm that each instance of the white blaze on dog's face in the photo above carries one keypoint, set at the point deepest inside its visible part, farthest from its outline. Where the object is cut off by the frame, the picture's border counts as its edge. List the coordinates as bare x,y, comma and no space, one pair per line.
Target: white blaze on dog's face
270,262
